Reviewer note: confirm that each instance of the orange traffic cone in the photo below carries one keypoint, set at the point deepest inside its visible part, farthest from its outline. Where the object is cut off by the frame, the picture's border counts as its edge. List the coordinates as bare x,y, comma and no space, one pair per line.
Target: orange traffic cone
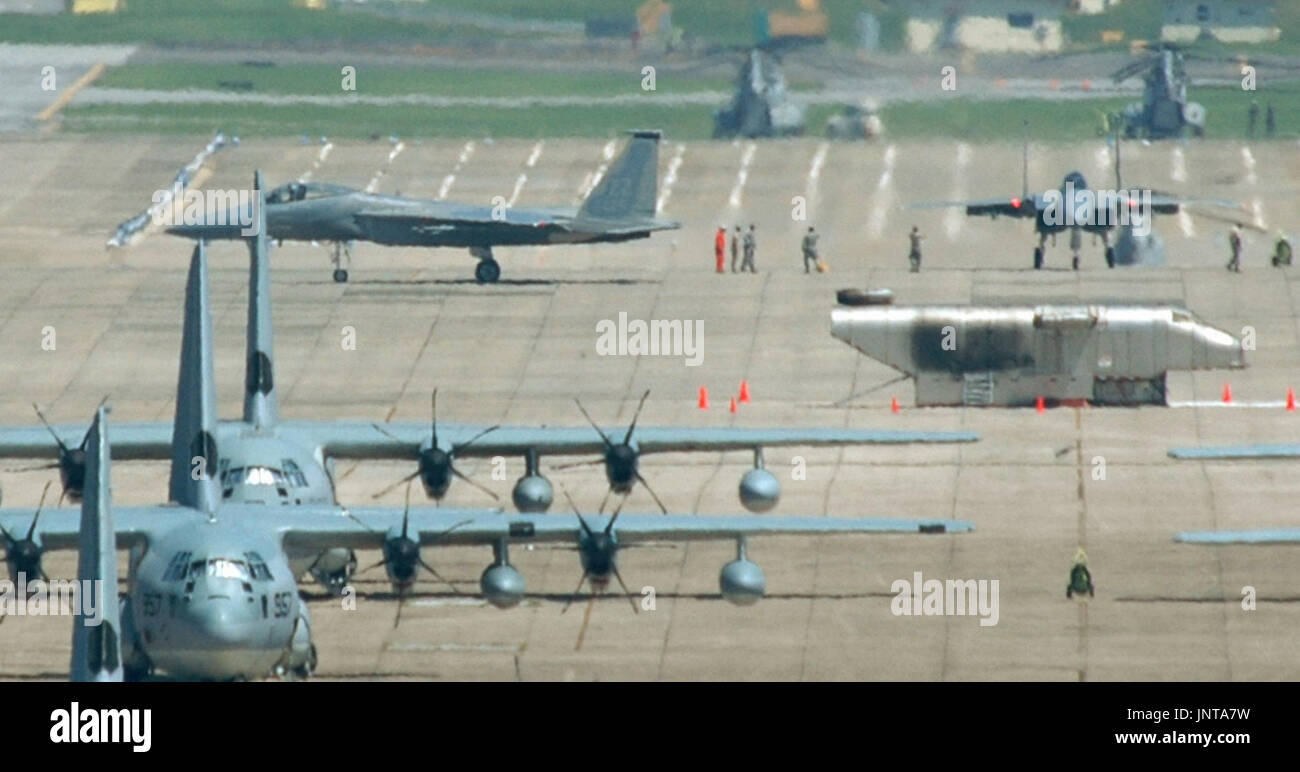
1290,400
893,405
732,408
1227,393
744,392
1040,405
704,398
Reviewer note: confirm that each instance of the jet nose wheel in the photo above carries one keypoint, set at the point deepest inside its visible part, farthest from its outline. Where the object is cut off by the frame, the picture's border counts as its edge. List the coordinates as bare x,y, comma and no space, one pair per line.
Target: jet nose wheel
340,275
487,271
1038,258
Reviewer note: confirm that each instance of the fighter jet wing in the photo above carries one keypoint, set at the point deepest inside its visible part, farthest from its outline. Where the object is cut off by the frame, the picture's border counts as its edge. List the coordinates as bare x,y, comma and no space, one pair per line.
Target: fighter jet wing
1265,536
1281,450
1164,203
403,440
415,225
1010,206
321,528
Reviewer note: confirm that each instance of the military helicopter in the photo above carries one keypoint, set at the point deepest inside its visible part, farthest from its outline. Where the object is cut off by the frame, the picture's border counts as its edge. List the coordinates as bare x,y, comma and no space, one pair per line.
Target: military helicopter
1164,111
761,106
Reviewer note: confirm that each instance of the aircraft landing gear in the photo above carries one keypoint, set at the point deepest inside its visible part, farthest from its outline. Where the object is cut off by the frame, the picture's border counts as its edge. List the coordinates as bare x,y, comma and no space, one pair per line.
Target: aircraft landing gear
1110,257
1038,258
1074,262
488,270
341,250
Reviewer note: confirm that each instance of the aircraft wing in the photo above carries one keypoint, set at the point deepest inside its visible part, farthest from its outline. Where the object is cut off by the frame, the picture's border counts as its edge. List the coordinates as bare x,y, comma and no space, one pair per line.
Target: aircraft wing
60,529
401,440
1265,536
1237,451
131,441
1010,206
367,527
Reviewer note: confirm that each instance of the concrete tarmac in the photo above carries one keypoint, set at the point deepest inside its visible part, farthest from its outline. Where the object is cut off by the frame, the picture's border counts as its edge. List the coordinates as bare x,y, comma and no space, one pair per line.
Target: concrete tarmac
1036,486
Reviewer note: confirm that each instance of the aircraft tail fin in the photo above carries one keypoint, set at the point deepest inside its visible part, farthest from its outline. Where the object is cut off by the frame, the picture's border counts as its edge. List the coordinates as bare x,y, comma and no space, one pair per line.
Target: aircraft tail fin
194,443
96,636
261,404
629,189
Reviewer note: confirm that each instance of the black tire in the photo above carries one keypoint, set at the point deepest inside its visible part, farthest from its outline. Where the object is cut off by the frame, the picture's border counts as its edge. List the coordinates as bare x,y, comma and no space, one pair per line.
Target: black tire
340,275
1038,258
1110,257
1074,263
487,271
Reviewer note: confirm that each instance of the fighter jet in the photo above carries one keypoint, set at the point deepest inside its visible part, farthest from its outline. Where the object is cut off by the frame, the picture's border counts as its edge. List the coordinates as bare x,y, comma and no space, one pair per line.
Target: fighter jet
212,591
1078,208
271,462
620,208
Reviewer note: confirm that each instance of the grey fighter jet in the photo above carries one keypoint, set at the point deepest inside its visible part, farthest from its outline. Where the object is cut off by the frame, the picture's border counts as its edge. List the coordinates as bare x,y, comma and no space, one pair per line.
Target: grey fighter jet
620,208
212,591
1082,209
269,461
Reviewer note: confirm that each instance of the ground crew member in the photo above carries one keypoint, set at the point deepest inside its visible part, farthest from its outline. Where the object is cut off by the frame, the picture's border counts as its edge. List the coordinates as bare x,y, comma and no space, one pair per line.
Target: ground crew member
735,249
1076,243
914,256
809,249
1252,117
1080,577
751,243
1281,251
1234,243
720,248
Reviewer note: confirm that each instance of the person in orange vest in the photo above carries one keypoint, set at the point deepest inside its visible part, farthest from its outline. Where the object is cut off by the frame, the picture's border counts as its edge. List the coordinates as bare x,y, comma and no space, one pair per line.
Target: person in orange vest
719,248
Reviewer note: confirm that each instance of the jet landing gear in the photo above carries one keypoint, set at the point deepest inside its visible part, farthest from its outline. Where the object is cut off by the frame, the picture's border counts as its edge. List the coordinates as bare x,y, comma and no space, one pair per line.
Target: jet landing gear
1038,252
341,250
488,271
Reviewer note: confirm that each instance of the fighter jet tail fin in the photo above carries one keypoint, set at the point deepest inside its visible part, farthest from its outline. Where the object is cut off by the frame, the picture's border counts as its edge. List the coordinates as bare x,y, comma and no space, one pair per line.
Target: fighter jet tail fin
194,443
261,404
96,625
629,188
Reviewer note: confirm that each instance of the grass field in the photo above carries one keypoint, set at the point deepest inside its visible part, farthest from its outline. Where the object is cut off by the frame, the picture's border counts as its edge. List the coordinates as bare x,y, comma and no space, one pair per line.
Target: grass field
388,81
1065,121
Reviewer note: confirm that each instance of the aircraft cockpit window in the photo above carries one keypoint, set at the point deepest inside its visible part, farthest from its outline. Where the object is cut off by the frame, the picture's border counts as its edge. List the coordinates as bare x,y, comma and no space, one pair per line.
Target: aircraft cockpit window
293,474
258,567
294,191
1183,317
220,568
253,475
176,567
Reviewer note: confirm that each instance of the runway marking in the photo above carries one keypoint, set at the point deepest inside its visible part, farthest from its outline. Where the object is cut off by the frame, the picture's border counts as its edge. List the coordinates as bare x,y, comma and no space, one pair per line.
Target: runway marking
1257,209
523,176
742,176
812,191
466,153
1101,159
395,152
1248,160
1178,165
593,179
954,217
320,159
881,201
670,178
65,96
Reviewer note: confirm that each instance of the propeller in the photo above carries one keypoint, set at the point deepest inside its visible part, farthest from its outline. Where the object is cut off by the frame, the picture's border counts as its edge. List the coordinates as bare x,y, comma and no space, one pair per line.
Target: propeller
621,458
71,462
599,550
25,554
437,466
404,552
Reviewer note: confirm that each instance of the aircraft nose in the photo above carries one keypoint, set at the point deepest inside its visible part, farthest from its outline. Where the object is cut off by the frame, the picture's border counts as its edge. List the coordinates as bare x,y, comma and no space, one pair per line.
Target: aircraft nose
221,622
